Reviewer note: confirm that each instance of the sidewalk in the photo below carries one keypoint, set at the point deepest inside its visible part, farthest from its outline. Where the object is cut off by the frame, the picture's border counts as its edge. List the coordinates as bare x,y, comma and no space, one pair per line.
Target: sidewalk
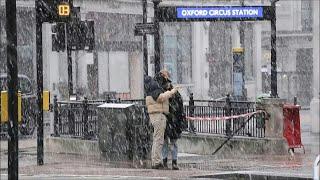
190,165
68,166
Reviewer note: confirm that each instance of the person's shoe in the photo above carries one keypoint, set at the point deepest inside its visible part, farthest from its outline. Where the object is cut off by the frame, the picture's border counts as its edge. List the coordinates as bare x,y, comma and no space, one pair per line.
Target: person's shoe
165,163
157,166
175,165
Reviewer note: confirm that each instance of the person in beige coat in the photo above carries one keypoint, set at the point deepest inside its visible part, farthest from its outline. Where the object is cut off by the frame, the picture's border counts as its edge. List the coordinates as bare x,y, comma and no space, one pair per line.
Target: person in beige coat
157,101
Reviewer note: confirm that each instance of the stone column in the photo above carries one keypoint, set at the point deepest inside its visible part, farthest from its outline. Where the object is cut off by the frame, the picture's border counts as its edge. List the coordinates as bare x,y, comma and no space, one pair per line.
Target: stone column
314,105
258,57
136,74
200,66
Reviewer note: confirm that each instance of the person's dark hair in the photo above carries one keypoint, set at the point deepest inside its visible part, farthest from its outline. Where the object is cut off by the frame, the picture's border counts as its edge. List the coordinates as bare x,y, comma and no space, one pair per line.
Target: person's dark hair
152,88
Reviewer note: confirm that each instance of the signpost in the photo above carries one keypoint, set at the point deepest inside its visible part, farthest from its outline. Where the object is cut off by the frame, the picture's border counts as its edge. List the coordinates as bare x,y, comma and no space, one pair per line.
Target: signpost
145,42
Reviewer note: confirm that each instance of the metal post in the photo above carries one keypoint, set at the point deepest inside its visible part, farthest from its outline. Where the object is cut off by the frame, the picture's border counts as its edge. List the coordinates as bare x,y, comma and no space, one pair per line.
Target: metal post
71,120
11,30
243,69
145,42
70,83
191,113
85,118
295,100
228,113
75,15
108,98
55,116
39,84
191,105
157,62
274,91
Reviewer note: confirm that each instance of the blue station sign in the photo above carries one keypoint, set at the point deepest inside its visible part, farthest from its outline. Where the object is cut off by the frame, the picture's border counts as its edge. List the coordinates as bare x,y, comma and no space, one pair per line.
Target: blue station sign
215,13
219,12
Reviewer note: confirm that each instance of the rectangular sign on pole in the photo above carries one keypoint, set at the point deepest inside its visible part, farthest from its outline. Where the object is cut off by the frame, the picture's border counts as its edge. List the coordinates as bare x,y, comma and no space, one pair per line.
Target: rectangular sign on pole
214,13
220,12
144,28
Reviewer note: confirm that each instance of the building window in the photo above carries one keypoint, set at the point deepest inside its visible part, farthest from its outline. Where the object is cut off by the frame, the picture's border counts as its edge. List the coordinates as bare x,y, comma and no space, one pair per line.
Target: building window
306,16
176,51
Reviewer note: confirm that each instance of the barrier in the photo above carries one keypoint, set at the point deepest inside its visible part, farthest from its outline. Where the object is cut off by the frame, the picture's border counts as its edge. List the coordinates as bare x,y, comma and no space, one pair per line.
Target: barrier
248,124
291,126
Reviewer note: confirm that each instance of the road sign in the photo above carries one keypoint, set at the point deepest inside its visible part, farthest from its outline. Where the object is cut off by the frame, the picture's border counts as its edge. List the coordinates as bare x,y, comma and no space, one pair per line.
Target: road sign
140,29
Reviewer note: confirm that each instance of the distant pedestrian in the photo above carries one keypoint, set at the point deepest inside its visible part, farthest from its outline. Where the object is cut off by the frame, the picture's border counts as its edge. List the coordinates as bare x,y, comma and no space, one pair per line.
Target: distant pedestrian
157,101
176,121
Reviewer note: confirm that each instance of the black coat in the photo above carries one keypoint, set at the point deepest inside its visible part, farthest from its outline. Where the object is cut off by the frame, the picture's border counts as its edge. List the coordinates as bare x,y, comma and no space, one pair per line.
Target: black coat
176,119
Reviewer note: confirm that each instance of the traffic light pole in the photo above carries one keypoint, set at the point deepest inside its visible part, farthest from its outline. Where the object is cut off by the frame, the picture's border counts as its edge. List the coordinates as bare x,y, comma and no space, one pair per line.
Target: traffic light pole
145,41
69,56
70,83
243,69
156,37
11,31
274,88
39,84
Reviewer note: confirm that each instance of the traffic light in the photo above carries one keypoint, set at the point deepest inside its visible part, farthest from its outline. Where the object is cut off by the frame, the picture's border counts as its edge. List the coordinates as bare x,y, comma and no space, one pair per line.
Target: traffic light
81,35
58,37
90,35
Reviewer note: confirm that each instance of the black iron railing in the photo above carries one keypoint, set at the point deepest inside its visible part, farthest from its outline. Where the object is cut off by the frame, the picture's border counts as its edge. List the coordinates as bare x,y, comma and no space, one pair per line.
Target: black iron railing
205,117
76,119
80,118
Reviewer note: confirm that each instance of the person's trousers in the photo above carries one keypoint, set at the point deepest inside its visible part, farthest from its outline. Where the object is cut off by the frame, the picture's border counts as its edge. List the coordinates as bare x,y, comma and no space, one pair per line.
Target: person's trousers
170,145
158,121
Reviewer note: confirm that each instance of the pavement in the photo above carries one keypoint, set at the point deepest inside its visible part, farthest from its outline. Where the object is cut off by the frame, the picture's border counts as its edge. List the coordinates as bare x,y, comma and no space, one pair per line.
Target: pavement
69,166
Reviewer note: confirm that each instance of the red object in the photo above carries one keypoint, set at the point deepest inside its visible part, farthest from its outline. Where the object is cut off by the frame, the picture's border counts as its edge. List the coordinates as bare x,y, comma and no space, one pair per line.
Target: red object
291,125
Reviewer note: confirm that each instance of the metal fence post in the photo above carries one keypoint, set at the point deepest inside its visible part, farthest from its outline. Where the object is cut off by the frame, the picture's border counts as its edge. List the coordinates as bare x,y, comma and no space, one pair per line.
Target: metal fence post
71,120
55,116
108,98
85,118
228,113
295,100
191,113
191,105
